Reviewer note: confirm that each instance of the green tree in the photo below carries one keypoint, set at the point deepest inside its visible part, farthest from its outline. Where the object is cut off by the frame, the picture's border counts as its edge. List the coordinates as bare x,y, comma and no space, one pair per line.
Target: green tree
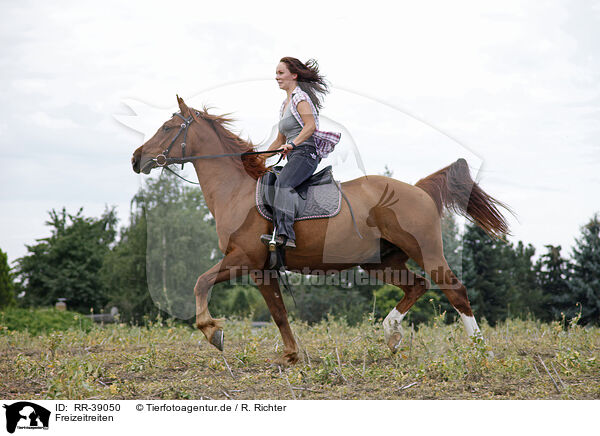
67,264
585,279
124,273
7,288
387,171
554,281
240,304
525,295
483,267
169,242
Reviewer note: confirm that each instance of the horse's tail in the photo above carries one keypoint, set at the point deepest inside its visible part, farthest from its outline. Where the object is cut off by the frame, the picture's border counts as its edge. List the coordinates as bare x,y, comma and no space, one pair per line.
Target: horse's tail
454,188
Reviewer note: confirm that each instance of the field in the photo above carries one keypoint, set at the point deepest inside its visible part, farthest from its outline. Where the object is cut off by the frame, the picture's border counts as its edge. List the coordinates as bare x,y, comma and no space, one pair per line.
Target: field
166,361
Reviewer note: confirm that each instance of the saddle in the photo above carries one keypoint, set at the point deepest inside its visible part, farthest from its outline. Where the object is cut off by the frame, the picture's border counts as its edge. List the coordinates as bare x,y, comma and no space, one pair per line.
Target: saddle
319,196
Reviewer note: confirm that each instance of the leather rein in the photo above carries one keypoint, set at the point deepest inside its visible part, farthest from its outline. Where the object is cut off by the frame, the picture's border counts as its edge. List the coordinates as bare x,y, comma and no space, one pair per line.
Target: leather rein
163,160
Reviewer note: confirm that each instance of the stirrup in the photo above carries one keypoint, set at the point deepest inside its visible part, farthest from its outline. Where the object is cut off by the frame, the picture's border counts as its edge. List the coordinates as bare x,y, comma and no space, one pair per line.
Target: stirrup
271,241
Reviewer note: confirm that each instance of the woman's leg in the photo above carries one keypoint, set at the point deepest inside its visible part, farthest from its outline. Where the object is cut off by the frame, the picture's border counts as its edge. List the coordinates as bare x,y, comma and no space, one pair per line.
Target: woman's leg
301,165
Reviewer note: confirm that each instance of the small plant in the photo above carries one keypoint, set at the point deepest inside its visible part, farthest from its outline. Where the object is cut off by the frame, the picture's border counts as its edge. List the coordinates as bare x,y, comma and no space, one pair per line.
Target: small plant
144,361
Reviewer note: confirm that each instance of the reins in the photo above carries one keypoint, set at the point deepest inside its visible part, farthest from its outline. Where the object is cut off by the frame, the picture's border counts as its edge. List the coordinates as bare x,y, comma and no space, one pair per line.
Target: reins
162,160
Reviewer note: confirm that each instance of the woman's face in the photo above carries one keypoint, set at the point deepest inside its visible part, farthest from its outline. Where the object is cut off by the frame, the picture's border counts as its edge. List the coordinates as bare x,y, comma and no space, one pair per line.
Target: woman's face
285,79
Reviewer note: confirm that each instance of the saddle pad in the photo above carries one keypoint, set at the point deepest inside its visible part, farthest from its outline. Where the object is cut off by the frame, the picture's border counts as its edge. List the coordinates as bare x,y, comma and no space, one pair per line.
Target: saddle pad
318,197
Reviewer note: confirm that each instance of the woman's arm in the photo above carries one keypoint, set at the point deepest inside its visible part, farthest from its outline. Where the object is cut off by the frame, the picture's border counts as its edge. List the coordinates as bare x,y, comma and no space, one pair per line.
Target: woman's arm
306,132
308,129
309,123
277,143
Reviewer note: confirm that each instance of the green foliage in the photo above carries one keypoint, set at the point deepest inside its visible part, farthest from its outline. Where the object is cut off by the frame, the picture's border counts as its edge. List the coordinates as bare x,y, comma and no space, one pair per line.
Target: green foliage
387,172
169,242
524,291
241,304
42,320
181,242
553,272
66,264
7,295
314,303
423,311
124,273
483,263
585,279
341,295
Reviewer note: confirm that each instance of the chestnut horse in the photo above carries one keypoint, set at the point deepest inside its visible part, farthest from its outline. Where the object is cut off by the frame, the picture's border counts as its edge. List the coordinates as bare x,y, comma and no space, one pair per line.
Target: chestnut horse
396,221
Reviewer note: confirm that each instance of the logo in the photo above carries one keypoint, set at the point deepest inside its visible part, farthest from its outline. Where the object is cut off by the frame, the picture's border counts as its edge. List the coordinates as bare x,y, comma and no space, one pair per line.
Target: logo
26,415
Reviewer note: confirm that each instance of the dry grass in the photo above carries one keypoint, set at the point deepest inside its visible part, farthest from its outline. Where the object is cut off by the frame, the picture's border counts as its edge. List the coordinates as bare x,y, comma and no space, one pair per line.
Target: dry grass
532,361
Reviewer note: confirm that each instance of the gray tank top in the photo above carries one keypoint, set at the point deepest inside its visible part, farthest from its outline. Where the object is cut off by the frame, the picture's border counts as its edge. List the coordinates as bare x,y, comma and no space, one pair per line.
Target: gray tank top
290,128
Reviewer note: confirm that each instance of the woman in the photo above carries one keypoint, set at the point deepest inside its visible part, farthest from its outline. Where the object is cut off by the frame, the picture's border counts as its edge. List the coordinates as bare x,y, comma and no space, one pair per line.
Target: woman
303,143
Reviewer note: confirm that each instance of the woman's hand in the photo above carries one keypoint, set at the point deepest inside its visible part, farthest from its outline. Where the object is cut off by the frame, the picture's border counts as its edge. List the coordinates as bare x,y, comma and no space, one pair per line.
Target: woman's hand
286,149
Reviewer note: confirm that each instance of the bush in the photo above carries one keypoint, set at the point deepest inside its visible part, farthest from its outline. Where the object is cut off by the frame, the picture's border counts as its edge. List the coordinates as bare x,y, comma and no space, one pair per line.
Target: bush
42,320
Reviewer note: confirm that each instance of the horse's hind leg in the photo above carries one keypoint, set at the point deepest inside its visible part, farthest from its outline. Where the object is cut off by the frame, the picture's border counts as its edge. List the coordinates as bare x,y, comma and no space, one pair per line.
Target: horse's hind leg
269,288
393,270
442,275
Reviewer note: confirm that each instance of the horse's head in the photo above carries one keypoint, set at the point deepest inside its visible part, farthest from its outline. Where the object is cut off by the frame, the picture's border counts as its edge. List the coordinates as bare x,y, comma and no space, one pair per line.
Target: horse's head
167,141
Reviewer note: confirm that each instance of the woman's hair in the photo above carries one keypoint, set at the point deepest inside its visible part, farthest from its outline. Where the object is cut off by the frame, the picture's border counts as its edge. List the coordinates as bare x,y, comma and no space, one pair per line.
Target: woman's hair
309,79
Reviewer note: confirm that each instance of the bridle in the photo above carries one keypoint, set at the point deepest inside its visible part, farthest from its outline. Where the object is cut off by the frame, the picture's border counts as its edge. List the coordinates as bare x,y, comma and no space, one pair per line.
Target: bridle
163,160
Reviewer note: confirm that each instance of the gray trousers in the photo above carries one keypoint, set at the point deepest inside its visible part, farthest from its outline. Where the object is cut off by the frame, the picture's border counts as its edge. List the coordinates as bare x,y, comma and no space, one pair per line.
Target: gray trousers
301,165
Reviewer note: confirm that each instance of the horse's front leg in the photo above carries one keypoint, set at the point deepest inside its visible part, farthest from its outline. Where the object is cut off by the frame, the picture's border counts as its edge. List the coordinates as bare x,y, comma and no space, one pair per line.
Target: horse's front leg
228,268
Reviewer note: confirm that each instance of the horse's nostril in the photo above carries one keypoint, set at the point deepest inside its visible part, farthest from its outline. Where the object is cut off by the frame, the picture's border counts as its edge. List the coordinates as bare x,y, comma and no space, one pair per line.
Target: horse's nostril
135,163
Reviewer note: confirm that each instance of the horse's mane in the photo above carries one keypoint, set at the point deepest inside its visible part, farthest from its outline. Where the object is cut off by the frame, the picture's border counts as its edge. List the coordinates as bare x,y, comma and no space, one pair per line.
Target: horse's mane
232,143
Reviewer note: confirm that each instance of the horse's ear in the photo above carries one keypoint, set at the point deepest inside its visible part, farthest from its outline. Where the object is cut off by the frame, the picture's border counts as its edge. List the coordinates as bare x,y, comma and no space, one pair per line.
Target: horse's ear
182,106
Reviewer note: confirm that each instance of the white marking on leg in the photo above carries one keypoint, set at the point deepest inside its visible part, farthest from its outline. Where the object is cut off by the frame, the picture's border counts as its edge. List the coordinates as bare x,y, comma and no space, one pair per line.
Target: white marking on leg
392,329
470,325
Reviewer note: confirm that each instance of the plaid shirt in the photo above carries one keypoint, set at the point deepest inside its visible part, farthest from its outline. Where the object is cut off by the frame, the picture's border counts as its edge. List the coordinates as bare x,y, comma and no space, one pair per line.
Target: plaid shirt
325,142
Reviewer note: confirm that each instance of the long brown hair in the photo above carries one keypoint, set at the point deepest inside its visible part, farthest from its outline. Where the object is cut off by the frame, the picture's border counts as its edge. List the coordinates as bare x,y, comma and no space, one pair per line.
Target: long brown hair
309,79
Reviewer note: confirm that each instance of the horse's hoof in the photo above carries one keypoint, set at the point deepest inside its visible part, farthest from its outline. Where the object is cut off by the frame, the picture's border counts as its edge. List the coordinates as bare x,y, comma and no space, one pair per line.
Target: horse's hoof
394,342
217,339
287,359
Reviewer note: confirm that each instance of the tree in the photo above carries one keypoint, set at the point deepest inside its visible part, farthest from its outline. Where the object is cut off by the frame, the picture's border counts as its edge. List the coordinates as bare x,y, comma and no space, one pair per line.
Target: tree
66,264
240,304
585,279
525,295
124,273
170,241
387,172
554,281
7,297
483,266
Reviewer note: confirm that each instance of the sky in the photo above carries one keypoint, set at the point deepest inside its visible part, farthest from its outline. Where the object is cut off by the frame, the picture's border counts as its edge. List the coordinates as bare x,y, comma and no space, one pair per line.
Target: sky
511,86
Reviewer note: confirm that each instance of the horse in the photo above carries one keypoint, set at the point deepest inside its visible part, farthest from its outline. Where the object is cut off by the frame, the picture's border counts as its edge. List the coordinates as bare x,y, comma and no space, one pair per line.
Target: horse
394,222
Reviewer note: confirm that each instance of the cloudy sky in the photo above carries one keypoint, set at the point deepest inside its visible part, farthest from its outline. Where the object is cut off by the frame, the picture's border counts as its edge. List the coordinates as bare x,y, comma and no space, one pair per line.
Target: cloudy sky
511,86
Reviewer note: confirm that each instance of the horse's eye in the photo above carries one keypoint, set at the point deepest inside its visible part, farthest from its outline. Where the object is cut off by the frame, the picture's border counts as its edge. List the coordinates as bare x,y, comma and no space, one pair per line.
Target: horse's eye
166,128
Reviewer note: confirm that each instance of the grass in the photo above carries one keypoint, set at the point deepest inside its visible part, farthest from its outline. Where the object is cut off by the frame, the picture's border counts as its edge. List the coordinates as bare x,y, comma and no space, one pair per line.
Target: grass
169,361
